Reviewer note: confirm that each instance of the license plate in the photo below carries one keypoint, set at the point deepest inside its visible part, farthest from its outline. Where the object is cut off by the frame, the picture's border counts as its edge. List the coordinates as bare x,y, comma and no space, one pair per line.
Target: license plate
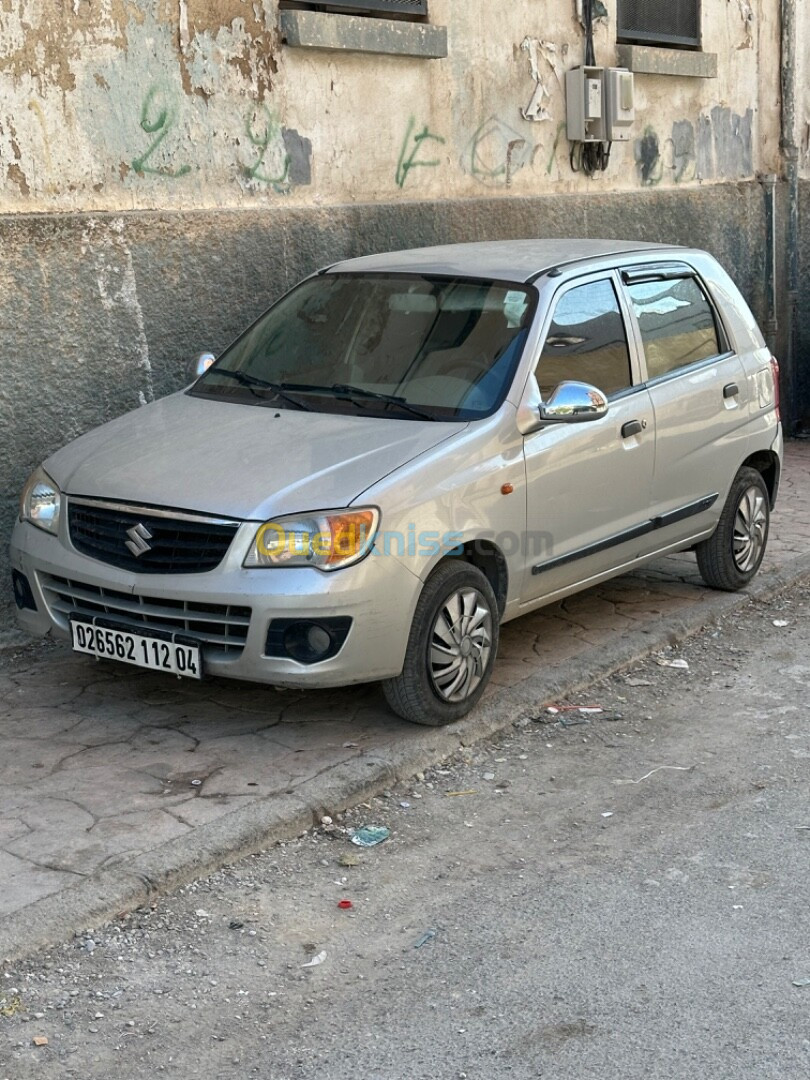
143,650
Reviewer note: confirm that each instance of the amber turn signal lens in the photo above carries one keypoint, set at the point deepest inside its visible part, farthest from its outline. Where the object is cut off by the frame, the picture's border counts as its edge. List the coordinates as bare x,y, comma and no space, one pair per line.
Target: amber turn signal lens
349,534
507,489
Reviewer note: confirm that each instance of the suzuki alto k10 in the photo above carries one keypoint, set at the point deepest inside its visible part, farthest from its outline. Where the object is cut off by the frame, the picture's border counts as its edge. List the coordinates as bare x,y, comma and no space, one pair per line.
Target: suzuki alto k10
404,452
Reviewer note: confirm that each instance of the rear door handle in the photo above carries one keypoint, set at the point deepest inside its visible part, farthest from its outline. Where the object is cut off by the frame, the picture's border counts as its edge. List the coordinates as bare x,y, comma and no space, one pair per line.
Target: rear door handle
730,390
632,427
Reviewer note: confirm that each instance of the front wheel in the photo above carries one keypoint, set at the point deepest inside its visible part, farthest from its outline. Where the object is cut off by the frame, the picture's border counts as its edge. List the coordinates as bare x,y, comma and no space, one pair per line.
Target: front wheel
451,648
733,553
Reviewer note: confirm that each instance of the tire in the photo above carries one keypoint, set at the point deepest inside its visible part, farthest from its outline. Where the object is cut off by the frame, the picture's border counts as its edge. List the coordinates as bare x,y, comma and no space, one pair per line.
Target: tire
456,617
733,553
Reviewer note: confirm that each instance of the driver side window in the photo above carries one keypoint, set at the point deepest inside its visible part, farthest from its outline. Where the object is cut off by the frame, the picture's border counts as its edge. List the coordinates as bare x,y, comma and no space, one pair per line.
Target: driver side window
587,341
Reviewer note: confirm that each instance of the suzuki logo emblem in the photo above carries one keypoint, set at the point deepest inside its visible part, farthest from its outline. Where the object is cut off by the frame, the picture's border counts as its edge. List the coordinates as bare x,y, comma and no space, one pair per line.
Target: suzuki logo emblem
138,537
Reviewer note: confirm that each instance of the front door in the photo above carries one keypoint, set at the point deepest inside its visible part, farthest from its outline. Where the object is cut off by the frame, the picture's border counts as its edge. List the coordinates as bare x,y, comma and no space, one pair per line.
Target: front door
588,484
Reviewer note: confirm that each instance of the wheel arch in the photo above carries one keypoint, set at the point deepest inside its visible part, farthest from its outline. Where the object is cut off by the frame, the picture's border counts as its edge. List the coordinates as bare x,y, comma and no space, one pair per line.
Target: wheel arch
490,560
767,464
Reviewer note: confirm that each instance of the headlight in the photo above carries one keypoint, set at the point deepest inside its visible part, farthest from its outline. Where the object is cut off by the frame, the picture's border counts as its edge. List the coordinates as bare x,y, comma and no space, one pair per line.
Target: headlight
40,501
329,540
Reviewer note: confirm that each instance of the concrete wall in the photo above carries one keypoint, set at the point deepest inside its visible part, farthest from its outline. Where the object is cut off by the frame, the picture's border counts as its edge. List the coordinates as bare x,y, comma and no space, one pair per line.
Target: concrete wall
167,167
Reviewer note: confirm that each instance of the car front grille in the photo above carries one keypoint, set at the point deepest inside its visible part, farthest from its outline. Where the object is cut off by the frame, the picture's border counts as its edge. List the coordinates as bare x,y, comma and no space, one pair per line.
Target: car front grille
221,628
148,541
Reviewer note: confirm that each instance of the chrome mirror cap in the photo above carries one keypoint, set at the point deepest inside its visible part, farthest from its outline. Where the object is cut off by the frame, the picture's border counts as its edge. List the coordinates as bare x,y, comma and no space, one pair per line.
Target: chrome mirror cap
574,403
200,365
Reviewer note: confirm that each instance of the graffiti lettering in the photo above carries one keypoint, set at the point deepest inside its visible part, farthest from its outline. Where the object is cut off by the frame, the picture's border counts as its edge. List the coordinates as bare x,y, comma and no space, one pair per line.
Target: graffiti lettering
411,148
262,132
158,117
496,152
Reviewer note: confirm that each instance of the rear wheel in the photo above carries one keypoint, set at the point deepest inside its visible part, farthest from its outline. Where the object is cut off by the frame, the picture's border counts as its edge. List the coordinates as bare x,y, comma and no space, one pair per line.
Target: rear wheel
733,553
451,647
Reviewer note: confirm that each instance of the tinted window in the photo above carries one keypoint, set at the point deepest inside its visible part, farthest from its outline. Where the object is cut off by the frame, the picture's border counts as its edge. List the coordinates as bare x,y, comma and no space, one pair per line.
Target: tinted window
677,324
586,341
404,345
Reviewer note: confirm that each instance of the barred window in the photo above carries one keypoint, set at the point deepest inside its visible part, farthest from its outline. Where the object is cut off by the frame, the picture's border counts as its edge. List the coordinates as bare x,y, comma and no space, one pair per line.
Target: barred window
659,22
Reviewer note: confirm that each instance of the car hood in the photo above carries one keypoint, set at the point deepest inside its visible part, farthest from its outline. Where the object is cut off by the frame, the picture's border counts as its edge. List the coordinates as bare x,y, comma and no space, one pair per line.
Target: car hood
241,461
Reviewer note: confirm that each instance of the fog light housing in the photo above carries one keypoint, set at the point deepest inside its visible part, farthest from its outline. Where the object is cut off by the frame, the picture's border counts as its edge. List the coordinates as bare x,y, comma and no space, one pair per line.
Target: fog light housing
23,596
309,641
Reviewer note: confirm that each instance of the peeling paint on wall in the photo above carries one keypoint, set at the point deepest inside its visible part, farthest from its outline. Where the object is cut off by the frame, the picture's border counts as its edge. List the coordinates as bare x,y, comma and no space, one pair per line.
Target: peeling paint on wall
748,18
536,49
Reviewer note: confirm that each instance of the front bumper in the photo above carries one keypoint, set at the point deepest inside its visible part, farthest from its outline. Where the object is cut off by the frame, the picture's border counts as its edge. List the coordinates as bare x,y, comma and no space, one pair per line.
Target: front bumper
379,595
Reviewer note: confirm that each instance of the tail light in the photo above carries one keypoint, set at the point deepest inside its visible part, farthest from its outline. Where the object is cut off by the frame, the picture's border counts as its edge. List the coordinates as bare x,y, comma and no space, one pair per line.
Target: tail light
775,374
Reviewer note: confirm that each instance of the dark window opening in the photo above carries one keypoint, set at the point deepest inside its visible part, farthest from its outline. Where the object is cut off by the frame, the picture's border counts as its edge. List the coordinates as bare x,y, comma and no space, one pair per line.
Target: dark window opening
586,342
396,9
659,22
676,322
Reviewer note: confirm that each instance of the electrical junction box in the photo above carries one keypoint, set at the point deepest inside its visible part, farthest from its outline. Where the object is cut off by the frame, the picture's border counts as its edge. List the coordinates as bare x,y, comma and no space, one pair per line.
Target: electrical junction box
585,104
619,102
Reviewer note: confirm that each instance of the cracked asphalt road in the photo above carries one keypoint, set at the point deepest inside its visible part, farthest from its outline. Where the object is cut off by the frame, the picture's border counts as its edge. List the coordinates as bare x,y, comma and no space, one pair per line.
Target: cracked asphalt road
604,895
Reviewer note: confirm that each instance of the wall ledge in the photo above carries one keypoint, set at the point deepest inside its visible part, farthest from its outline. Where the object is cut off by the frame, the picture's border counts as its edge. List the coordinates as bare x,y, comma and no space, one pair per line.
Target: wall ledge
646,60
355,33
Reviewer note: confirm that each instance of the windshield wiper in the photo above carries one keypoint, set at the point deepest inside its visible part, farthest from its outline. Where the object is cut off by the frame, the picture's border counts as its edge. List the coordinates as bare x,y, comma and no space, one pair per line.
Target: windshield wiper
251,382
391,399
345,390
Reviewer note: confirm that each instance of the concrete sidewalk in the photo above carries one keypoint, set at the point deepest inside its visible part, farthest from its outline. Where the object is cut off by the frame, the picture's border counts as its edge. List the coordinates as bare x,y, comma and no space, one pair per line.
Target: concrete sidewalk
115,783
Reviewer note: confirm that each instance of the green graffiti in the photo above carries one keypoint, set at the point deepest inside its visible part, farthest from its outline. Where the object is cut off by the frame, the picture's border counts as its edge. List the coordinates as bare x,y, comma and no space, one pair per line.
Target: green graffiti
411,148
560,130
496,152
262,141
157,118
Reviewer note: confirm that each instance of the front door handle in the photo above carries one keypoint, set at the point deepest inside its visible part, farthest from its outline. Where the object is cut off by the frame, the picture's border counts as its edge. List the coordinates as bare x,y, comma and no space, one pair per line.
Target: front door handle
632,427
730,390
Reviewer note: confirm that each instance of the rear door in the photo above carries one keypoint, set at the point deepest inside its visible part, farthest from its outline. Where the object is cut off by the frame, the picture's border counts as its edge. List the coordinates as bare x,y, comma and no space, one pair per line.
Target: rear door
588,484
697,386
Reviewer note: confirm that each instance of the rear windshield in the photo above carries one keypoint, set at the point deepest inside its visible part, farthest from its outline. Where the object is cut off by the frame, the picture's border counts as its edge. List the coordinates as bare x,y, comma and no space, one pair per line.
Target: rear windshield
408,346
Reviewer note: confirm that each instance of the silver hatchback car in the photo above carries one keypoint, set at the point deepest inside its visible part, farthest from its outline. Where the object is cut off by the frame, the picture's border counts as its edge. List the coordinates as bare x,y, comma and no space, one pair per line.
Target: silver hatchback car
404,452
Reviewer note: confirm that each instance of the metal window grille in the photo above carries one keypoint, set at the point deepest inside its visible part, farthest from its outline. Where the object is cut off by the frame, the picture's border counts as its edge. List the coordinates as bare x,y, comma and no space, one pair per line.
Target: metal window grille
659,22
403,7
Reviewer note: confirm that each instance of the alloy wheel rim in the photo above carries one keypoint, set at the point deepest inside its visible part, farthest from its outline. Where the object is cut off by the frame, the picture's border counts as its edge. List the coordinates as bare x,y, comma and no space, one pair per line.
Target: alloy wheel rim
750,525
460,645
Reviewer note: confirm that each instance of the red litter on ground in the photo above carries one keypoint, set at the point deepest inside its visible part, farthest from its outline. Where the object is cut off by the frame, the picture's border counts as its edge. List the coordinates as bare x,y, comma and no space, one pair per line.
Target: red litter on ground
344,905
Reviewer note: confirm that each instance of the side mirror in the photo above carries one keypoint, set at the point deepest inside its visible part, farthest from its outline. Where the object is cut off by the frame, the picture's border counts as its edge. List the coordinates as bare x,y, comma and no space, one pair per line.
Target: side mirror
573,403
200,365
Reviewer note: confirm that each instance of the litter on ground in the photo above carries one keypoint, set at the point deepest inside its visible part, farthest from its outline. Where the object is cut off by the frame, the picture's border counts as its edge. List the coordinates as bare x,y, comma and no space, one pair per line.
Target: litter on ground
658,768
371,835
316,961
428,935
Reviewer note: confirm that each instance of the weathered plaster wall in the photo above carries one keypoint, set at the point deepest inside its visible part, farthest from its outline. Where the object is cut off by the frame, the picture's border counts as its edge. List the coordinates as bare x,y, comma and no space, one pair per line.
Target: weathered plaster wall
124,104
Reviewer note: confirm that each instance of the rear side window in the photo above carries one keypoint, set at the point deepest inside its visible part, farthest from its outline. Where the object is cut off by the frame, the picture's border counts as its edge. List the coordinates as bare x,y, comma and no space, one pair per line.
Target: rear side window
677,324
587,341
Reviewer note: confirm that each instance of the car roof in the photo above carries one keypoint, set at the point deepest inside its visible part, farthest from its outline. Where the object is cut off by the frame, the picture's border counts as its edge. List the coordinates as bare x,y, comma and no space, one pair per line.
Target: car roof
505,260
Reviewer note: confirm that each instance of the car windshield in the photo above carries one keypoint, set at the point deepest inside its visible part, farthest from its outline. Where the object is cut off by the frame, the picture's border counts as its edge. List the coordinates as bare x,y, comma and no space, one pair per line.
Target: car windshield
407,346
